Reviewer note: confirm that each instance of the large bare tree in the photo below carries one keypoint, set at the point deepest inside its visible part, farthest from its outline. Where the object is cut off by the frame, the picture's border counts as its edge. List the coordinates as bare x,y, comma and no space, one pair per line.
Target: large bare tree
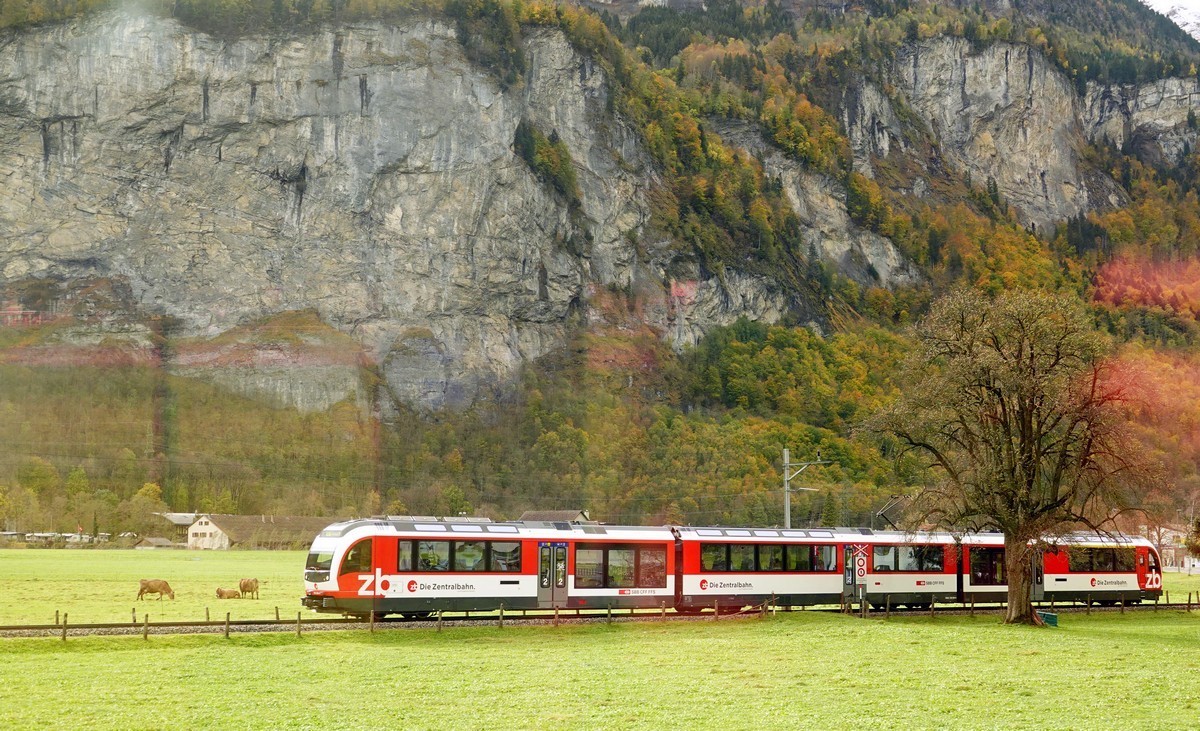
1012,406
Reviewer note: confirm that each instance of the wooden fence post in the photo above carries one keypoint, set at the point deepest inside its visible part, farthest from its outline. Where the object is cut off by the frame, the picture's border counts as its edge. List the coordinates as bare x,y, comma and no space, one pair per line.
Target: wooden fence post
932,604
298,623
226,625
439,623
64,627
134,611
206,619
501,615
56,619
371,621
887,612
1122,605
276,614
146,626
609,614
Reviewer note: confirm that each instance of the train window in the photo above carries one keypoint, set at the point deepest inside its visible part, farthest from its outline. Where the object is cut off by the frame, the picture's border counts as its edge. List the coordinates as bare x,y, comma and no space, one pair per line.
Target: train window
824,558
652,568
468,556
589,568
885,558
433,555
799,558
621,563
505,556
358,558
1103,560
404,556
770,557
741,557
319,561
1153,562
987,566
921,558
714,556
1124,558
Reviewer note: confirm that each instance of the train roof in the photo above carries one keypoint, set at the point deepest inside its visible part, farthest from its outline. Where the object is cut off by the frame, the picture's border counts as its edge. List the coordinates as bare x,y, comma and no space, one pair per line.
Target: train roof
485,529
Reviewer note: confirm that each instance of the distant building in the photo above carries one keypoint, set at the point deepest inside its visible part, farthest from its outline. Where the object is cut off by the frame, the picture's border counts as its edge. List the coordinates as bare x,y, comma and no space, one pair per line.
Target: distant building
156,542
556,516
221,532
179,524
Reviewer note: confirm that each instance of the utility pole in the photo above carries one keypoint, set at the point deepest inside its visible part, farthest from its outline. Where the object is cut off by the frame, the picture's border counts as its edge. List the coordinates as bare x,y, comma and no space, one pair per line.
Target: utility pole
788,476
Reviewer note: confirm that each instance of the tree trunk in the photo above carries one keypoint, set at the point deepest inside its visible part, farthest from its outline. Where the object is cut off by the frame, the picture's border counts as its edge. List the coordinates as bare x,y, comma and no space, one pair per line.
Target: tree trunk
1018,564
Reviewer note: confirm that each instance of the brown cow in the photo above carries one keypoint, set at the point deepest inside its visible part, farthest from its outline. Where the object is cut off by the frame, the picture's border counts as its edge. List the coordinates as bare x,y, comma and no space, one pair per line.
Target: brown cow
228,594
248,587
155,586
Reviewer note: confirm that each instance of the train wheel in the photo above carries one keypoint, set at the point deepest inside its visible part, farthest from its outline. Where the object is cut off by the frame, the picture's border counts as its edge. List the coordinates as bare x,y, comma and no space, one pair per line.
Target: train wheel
689,611
416,615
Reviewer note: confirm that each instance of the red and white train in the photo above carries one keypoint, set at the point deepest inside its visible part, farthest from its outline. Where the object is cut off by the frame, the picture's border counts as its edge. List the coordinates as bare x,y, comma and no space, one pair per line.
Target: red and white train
414,566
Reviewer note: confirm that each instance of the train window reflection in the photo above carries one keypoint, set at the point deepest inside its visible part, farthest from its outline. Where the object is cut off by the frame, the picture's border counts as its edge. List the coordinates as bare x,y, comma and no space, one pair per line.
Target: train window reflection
505,556
714,556
620,568
404,556
652,568
433,555
468,556
589,568
358,558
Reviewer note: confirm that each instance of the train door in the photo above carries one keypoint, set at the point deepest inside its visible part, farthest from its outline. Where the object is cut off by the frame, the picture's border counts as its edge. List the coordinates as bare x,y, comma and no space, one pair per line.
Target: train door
1039,577
552,574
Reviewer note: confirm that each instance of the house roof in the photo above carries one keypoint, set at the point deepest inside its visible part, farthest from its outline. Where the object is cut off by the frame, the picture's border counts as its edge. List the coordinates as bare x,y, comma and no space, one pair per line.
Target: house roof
556,516
252,529
180,519
156,542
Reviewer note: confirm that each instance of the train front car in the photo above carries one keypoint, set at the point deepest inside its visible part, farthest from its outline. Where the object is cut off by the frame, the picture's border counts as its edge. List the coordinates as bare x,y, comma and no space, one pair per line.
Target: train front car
415,566
1099,568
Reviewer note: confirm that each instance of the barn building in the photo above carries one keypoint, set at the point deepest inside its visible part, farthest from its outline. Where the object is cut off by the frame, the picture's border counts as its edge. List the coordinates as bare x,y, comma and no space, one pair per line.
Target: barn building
255,531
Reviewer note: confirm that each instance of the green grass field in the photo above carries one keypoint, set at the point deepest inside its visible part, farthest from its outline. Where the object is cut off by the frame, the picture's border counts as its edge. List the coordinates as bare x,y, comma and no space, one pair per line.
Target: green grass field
797,670
102,586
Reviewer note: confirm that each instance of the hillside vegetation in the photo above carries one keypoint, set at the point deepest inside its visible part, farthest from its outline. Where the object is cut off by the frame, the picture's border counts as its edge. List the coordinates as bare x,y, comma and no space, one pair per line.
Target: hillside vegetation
619,423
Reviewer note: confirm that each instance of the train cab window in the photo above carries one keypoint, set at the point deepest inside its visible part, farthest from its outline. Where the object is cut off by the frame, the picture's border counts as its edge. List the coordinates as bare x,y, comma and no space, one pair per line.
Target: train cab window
621,564
714,556
504,556
652,568
404,556
319,561
589,568
1153,562
433,555
741,557
468,556
770,557
358,558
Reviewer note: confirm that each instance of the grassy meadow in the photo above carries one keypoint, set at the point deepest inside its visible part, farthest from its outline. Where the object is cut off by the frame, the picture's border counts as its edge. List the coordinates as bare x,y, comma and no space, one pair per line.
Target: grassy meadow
798,670
102,585
794,670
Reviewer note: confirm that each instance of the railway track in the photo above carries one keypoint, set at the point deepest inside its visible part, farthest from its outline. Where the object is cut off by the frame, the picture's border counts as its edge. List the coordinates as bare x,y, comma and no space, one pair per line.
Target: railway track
525,618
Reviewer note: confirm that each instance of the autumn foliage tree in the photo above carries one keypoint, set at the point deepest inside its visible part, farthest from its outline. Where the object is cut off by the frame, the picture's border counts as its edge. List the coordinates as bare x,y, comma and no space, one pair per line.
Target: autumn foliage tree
1017,415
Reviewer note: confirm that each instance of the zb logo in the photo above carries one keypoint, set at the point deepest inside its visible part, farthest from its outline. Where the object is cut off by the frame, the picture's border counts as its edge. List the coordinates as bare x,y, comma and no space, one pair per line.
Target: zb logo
373,585
1153,581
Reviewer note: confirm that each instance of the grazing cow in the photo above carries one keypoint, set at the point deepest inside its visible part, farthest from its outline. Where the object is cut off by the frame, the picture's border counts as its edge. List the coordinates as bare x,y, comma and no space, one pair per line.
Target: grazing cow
228,594
248,587
155,586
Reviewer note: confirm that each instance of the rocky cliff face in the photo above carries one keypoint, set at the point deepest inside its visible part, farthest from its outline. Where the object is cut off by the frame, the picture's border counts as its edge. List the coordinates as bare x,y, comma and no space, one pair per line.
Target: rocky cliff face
1151,118
366,173
1003,113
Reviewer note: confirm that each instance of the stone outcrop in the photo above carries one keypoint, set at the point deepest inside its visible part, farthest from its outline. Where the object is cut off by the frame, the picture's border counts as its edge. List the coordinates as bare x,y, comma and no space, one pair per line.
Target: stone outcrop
1151,118
1004,114
364,172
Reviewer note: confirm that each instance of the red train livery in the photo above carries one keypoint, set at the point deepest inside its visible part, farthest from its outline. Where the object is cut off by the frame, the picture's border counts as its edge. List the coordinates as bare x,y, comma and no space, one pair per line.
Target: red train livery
415,566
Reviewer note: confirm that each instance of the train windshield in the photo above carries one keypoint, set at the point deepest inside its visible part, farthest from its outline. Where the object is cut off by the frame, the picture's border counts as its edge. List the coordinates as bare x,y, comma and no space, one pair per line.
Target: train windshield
319,561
